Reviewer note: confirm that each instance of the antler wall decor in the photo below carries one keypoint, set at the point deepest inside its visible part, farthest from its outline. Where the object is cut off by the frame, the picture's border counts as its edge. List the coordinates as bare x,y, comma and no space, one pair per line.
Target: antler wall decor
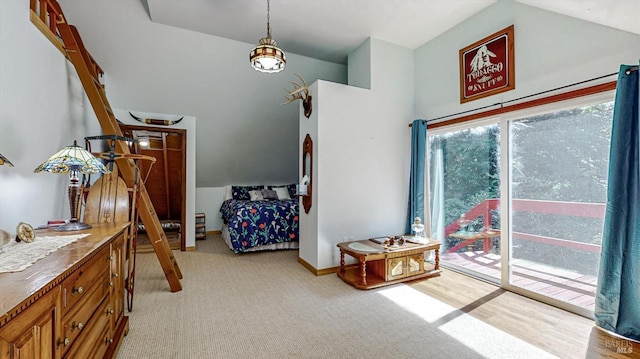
157,122
300,92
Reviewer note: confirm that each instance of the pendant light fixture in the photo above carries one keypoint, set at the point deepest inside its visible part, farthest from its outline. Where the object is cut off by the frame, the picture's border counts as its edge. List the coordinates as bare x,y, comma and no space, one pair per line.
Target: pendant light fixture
267,57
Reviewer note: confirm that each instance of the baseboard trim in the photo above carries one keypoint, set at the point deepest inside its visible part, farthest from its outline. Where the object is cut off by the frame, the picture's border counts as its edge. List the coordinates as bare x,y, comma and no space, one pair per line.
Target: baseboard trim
214,232
191,249
317,272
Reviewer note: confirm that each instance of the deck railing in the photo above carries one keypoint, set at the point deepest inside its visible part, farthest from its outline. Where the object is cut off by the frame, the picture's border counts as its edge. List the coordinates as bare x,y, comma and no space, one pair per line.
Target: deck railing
484,209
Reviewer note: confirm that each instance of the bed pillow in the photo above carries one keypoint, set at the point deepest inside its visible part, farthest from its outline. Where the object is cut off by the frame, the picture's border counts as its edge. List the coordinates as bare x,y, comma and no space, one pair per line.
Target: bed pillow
269,194
256,195
291,188
282,192
242,192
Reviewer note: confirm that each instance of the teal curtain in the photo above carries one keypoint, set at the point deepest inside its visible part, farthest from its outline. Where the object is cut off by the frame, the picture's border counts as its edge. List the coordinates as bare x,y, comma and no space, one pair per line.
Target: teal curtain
618,293
416,177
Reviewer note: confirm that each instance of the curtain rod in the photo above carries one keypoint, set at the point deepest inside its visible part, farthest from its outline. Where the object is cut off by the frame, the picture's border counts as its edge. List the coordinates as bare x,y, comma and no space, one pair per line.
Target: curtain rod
629,70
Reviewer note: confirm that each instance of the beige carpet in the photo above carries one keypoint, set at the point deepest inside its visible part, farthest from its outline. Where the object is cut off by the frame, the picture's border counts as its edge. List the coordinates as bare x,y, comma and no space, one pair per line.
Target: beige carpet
267,305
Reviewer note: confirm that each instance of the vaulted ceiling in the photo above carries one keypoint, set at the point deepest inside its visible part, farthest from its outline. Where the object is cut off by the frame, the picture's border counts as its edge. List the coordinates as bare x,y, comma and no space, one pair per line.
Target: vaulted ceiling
302,26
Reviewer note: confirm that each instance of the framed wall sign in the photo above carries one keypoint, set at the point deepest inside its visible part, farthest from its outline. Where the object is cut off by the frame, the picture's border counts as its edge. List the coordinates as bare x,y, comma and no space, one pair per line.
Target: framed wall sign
487,67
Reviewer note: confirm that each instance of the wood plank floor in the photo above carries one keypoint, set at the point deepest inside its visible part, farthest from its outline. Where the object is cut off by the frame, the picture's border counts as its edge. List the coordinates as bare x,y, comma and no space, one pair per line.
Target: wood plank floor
554,330
564,285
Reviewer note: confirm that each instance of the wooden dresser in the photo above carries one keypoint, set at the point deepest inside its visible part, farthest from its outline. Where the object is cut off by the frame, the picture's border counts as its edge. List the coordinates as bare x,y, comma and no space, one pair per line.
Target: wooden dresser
69,304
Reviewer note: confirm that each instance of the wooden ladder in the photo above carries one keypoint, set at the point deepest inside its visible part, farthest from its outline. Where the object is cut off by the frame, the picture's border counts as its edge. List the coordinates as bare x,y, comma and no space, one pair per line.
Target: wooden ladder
89,73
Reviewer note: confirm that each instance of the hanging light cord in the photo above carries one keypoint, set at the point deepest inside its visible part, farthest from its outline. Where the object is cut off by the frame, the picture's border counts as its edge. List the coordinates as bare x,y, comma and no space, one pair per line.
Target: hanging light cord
268,18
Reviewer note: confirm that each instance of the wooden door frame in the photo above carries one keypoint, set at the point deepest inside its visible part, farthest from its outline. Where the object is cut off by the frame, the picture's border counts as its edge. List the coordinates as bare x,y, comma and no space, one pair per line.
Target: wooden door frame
183,187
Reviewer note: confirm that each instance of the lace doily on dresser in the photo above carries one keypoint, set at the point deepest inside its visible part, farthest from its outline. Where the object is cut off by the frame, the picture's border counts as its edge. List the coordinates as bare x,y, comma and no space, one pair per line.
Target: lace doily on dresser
18,256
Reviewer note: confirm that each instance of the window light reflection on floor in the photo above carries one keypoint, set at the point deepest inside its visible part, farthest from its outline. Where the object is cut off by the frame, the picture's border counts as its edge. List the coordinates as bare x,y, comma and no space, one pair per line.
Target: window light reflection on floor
475,334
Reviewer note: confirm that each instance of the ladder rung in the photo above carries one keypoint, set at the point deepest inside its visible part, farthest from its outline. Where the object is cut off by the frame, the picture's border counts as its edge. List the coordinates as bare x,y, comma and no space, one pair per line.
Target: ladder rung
97,82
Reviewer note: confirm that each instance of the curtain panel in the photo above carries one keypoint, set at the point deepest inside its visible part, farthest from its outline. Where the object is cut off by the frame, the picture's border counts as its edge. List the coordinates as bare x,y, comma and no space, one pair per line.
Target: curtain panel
416,177
618,292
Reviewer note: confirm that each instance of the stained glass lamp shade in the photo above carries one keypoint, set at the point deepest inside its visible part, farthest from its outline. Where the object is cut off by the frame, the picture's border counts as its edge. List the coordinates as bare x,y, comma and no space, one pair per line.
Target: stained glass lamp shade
4,160
73,159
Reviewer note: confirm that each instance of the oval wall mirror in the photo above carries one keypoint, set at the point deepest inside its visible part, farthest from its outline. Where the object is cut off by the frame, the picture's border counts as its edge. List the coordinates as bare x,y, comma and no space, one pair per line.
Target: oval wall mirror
307,170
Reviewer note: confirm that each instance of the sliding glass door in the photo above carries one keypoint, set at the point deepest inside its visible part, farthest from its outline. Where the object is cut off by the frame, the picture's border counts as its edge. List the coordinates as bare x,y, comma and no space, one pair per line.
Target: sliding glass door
558,165
542,238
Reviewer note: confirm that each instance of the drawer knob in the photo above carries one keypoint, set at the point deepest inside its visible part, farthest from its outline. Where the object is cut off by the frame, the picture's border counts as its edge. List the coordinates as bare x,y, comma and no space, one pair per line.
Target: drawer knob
109,311
108,341
115,275
110,284
79,325
78,290
59,342
65,342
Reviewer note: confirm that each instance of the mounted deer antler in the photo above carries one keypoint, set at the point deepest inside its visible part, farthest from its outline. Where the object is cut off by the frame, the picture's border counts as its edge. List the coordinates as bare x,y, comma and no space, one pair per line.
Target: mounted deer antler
300,92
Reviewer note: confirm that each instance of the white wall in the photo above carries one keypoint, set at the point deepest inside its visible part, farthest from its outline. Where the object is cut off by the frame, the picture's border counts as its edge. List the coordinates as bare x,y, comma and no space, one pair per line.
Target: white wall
208,202
360,156
243,133
308,230
188,123
42,109
359,66
551,50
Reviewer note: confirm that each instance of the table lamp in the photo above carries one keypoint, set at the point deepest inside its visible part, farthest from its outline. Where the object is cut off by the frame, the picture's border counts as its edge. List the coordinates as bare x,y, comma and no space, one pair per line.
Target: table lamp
4,160
73,159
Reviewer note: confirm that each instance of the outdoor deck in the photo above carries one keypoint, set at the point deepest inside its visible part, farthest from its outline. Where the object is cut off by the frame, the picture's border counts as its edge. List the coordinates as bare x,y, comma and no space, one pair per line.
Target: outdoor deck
558,283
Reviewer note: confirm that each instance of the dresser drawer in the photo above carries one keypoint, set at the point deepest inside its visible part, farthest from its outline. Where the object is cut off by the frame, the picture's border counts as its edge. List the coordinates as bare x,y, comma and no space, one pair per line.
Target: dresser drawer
94,336
103,340
76,286
80,316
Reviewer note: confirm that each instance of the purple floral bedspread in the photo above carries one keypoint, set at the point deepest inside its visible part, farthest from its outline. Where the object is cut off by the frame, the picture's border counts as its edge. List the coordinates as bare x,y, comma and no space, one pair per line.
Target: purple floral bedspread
253,223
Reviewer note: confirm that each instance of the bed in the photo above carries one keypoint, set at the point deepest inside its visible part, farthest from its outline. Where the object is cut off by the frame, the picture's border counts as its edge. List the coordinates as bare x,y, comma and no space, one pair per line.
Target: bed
258,218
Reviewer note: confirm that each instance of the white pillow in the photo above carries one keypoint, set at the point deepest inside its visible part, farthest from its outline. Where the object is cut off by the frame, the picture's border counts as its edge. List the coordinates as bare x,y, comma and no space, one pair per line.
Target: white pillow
282,192
256,195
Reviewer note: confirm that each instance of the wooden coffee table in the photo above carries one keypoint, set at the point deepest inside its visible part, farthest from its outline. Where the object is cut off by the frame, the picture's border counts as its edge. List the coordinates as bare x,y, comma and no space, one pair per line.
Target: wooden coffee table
380,265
